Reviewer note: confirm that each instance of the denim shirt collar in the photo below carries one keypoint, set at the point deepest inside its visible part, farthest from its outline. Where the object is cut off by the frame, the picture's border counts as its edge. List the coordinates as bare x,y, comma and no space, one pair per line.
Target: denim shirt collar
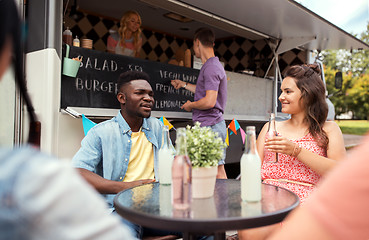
145,128
124,125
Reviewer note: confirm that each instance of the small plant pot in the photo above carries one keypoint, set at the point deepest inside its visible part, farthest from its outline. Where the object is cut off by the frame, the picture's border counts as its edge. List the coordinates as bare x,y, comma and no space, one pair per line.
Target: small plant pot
203,181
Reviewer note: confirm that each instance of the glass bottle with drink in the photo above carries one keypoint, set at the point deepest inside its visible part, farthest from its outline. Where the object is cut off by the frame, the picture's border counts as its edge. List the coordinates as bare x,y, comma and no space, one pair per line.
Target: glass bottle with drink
76,42
272,131
166,155
67,37
181,174
250,169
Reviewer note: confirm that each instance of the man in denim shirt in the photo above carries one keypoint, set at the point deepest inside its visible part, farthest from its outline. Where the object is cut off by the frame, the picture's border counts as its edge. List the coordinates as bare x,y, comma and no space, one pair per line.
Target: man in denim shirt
123,152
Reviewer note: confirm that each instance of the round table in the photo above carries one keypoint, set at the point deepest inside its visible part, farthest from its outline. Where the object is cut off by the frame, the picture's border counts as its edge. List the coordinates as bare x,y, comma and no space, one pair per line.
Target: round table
150,205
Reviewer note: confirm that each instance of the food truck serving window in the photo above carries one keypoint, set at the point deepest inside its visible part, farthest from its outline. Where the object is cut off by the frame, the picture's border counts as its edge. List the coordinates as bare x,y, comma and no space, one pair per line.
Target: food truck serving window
95,85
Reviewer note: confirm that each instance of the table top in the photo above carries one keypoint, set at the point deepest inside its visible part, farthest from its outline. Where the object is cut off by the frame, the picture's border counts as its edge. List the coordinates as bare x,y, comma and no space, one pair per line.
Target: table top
150,205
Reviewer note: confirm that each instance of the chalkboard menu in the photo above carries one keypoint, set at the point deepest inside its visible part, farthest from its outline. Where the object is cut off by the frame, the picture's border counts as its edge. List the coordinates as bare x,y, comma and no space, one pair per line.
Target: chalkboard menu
95,85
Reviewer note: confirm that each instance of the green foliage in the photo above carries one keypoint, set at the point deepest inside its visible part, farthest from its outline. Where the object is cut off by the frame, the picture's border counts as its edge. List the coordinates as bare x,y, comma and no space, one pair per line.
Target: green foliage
354,64
340,99
359,94
204,147
354,61
357,127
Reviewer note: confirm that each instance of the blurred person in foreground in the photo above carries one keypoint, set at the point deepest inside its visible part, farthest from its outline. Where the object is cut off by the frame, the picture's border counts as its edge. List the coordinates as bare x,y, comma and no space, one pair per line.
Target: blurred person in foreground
42,197
308,146
339,208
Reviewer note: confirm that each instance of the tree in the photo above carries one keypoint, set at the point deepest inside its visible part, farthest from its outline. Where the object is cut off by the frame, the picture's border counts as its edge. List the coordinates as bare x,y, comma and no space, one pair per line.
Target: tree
340,99
359,94
355,88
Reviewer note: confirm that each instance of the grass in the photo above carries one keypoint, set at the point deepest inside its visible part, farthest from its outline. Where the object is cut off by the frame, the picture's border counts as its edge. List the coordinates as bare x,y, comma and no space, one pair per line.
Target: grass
357,127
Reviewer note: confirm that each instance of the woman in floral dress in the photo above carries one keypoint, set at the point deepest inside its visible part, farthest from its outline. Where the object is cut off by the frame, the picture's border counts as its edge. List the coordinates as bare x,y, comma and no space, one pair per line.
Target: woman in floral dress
307,145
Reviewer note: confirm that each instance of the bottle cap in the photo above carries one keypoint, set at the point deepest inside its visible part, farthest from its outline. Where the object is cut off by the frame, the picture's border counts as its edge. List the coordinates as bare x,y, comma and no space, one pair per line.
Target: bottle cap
76,42
67,31
250,128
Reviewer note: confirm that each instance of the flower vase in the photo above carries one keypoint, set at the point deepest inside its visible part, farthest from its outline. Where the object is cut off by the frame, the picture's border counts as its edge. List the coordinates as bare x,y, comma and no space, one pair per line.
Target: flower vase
203,181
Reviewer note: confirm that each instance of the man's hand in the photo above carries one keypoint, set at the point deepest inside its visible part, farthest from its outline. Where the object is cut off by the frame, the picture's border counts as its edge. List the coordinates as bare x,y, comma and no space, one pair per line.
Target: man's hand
177,84
137,183
106,186
187,106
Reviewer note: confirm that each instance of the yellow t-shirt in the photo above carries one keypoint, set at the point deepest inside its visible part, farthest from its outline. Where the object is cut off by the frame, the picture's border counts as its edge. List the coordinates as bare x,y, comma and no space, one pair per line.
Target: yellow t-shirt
141,158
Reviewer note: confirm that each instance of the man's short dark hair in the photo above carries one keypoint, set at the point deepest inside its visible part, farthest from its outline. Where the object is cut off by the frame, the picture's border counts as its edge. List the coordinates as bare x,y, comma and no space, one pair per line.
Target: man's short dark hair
128,76
206,36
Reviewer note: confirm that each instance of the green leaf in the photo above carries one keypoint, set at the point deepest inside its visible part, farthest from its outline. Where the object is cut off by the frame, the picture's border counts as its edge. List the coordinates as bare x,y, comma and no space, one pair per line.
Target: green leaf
204,146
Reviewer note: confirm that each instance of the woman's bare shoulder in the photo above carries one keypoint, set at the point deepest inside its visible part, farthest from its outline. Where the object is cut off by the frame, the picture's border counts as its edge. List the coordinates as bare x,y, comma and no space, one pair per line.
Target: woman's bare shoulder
280,125
331,126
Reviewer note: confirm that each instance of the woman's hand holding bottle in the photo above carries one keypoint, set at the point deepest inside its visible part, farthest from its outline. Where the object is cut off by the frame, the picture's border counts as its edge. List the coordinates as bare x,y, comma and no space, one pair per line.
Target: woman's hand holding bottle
280,144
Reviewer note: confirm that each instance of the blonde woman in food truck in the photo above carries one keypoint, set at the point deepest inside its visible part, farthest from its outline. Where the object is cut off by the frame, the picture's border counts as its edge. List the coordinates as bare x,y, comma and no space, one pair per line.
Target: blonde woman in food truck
307,145
128,41
42,197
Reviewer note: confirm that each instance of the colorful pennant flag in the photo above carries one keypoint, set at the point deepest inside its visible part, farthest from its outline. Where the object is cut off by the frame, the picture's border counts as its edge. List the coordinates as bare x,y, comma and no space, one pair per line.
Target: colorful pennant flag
227,138
167,123
87,124
243,135
232,126
237,125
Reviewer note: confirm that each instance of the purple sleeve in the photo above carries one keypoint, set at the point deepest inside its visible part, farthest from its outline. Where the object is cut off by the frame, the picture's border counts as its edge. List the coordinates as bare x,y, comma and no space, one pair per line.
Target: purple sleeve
212,78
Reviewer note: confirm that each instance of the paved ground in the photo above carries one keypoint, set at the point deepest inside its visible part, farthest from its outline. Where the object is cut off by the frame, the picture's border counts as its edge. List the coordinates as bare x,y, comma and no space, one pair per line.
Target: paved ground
351,140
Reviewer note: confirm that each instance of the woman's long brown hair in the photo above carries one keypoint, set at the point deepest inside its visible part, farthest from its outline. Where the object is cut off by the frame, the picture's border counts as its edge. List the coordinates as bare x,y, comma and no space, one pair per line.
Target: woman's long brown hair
307,78
10,28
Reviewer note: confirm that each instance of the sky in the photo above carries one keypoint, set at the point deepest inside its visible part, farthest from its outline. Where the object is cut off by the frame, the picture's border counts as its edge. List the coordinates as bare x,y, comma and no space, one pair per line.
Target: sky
350,15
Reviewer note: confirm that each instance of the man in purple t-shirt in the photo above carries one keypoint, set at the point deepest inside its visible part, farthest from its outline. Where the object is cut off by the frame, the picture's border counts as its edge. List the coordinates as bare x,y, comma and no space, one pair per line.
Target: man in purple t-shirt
210,90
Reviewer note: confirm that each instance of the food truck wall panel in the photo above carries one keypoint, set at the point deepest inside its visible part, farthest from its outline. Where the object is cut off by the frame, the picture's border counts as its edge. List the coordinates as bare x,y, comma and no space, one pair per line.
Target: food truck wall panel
60,134
43,81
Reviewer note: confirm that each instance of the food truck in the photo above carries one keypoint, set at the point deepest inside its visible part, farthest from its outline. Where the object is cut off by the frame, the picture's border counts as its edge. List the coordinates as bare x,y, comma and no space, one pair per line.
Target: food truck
255,40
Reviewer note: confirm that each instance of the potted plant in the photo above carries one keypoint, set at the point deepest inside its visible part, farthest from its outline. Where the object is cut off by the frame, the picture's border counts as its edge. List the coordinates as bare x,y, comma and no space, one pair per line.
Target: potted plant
204,148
